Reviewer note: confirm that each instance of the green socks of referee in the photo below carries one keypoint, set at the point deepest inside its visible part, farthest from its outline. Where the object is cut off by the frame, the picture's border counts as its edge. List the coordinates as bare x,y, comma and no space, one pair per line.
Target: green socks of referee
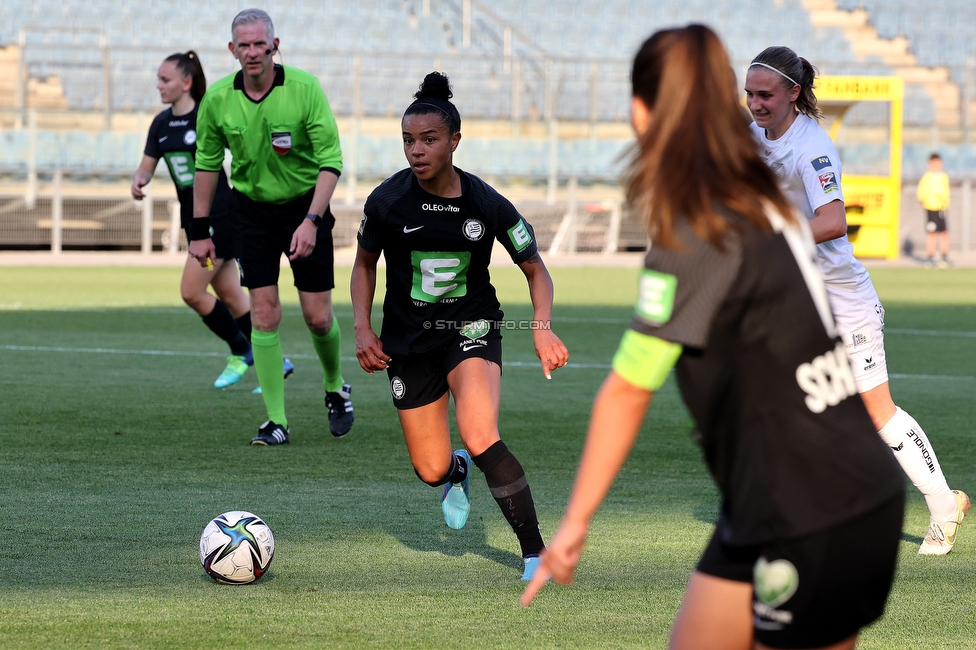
327,348
269,363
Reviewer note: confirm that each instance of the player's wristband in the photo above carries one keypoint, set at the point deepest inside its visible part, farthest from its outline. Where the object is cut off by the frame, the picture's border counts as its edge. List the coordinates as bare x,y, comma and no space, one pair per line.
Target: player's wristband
644,360
316,219
199,228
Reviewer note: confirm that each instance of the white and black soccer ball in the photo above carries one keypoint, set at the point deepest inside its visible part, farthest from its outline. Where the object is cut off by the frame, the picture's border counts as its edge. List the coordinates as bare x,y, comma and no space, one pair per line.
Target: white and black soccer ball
236,548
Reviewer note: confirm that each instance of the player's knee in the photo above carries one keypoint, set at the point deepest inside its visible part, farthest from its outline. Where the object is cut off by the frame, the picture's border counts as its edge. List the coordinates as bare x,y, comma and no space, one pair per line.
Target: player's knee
319,323
432,476
193,299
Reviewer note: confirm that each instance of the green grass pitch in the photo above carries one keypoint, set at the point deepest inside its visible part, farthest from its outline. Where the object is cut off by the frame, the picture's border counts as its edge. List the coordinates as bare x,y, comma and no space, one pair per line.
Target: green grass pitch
115,451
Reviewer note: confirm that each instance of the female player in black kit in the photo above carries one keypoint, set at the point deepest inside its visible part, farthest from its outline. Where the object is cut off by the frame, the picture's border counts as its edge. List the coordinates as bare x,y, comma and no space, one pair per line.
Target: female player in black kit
436,225
172,136
804,550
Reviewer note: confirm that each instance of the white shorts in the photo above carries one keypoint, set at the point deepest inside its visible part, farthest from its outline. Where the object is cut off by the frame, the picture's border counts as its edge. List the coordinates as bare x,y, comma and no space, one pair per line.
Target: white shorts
860,323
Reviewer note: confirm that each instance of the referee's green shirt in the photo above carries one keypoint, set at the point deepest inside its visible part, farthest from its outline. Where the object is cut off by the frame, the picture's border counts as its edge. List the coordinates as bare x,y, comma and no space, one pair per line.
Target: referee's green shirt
279,143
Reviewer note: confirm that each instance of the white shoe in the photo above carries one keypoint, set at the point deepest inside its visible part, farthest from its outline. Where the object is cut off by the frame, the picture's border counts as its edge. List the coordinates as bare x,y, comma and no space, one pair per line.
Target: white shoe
942,535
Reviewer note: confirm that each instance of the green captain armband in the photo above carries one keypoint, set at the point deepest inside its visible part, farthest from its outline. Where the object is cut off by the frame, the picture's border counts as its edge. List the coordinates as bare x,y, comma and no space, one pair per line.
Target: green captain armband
644,360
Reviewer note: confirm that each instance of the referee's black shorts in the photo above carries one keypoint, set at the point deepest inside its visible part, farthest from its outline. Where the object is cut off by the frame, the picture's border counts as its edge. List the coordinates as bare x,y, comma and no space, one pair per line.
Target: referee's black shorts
820,589
264,232
222,231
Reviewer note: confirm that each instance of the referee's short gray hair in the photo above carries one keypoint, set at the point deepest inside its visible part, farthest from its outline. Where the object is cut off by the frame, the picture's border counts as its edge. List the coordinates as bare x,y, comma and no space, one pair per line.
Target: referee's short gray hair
250,16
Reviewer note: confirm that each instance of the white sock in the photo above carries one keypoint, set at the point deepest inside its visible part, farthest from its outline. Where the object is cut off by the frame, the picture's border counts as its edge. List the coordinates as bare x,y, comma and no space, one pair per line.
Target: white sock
917,458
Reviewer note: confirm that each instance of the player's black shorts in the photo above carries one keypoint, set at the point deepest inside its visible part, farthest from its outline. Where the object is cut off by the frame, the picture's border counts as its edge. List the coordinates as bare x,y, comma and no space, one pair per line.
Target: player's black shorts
935,221
264,232
820,589
421,380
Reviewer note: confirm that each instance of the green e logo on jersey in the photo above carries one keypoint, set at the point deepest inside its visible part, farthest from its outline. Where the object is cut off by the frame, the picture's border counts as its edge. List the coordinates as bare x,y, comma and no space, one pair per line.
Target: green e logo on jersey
181,167
519,235
438,275
655,297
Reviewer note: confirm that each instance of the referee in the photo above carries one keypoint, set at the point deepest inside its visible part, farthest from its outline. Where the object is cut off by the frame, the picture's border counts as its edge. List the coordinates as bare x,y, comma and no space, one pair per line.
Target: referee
279,127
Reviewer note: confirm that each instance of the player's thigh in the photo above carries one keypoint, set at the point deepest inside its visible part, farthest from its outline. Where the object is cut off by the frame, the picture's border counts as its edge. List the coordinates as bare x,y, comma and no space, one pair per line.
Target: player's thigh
859,315
427,433
714,613
476,386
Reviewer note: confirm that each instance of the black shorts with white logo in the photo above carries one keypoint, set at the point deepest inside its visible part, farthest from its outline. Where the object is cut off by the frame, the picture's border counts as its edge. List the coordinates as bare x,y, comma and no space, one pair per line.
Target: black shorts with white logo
935,221
421,380
264,232
820,589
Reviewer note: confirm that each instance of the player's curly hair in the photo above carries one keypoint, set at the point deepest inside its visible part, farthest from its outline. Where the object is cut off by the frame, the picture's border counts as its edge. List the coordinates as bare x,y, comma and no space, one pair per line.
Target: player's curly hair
434,96
697,160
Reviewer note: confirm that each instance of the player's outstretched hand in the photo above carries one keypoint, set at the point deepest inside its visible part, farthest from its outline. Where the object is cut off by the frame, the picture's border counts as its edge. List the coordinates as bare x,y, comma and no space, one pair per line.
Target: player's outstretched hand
558,561
369,351
550,350
203,251
303,241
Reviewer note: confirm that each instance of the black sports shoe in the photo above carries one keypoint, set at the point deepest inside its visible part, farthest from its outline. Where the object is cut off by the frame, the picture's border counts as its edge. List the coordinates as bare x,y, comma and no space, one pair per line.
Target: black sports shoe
340,411
270,433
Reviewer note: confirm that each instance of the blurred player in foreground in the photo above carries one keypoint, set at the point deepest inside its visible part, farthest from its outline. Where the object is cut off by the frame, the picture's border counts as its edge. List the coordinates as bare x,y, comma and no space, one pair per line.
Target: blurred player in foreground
779,90
286,163
436,225
173,137
804,551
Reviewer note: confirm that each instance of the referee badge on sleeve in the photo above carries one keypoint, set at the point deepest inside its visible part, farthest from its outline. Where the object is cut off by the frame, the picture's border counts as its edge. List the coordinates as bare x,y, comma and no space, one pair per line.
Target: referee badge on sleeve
281,142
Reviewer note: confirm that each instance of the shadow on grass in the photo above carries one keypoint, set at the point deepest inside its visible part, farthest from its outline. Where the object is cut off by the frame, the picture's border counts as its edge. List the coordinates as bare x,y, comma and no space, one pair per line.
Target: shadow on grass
438,538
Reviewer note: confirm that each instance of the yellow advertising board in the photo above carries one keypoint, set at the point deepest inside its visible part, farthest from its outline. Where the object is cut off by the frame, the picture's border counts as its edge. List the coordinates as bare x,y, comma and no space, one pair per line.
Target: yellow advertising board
873,202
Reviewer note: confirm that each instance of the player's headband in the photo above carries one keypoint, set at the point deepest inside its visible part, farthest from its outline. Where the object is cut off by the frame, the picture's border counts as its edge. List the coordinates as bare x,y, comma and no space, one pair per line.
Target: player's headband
779,72
447,108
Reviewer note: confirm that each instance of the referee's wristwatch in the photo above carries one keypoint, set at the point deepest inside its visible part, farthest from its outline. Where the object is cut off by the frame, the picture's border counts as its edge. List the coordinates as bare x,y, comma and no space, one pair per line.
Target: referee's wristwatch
316,219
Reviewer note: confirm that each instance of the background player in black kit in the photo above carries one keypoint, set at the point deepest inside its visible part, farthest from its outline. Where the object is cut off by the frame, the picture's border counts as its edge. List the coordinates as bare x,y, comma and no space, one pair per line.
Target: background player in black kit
805,546
173,137
436,225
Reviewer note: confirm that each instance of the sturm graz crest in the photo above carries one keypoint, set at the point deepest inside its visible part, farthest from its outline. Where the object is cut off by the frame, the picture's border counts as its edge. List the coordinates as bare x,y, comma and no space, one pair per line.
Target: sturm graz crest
473,229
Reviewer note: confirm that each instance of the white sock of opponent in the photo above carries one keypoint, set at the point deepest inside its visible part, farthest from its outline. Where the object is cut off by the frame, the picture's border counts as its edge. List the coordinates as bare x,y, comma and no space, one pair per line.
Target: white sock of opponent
917,458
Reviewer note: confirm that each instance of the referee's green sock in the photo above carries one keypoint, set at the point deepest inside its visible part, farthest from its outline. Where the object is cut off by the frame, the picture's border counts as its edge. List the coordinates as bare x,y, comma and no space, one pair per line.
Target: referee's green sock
327,347
270,366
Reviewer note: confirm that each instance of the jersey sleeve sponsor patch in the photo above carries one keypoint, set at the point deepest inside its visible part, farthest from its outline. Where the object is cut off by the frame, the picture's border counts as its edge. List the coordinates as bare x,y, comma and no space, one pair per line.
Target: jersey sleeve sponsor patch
821,162
519,235
655,299
828,182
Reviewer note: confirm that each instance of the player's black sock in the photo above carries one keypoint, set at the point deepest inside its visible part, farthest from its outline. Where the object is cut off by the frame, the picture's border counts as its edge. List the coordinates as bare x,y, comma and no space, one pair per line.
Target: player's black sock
244,323
222,323
508,485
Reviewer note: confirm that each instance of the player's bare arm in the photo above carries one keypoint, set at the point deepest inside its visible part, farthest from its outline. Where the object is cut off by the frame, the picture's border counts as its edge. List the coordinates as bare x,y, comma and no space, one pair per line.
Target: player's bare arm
830,222
362,287
550,350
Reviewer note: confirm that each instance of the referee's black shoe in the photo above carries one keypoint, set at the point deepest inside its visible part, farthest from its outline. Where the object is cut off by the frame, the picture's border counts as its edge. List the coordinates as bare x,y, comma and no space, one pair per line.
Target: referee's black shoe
340,411
269,434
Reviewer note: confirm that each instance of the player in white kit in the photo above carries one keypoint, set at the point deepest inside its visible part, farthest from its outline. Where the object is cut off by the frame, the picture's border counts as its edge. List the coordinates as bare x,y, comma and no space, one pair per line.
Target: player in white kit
779,91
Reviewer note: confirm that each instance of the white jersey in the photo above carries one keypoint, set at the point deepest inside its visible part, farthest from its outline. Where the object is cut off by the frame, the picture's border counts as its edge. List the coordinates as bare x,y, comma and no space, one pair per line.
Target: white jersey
807,164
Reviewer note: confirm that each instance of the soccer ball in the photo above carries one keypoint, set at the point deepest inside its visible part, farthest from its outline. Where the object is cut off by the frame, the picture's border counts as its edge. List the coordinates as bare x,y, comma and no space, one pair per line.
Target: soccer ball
236,548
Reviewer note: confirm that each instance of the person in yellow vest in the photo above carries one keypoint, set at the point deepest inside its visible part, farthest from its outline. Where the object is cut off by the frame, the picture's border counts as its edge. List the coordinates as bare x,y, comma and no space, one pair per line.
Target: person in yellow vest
933,194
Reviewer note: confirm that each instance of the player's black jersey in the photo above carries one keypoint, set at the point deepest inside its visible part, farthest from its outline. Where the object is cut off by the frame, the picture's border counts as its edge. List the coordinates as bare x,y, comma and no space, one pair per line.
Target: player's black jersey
437,254
174,139
768,384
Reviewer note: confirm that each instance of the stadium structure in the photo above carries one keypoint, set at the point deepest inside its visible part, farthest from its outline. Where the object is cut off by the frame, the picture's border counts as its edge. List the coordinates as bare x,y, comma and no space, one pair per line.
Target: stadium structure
543,87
